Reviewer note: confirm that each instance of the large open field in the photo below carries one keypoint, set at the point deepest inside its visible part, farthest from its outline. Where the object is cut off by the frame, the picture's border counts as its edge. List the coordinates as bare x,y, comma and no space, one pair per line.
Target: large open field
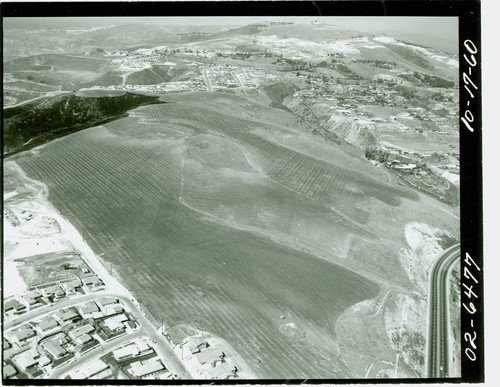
229,223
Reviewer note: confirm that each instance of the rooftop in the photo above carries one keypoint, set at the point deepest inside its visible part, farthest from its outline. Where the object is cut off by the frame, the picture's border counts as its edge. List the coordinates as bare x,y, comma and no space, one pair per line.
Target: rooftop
107,301
94,368
89,307
129,350
72,284
27,358
50,289
54,349
85,329
47,323
92,280
20,335
9,371
65,315
221,370
208,355
146,367
83,339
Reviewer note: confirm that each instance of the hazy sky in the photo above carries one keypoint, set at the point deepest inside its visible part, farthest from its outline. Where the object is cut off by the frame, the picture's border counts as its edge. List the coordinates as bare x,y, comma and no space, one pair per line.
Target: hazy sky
439,32
441,26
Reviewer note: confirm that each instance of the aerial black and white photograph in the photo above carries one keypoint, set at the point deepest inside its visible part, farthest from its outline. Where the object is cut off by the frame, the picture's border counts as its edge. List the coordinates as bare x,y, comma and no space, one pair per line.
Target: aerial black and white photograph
243,198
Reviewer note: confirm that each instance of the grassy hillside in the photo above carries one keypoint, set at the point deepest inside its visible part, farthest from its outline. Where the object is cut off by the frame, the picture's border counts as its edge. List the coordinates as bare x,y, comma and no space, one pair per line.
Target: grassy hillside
239,221
55,62
270,205
157,74
234,282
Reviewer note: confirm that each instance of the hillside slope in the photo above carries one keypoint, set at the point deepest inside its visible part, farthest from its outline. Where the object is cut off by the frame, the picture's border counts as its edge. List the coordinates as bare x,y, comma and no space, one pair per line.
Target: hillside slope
36,123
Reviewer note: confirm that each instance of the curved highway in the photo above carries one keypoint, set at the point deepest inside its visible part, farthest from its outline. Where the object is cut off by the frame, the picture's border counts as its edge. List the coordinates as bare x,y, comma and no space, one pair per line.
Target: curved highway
438,351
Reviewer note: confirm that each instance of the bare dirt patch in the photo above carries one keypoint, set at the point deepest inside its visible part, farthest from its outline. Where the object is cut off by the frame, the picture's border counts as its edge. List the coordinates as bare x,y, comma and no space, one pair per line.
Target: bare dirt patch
54,267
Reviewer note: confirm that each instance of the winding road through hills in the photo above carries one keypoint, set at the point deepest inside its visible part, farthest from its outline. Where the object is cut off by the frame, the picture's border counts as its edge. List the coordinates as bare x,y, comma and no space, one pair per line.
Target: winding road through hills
438,336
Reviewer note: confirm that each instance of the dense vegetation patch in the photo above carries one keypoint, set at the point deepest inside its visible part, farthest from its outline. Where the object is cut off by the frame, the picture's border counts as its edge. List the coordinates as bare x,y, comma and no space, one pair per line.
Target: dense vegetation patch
278,92
36,123
428,80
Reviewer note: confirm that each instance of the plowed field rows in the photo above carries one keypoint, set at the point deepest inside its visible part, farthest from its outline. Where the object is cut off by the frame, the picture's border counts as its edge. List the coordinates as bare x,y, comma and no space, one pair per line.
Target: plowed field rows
268,207
198,119
327,184
184,266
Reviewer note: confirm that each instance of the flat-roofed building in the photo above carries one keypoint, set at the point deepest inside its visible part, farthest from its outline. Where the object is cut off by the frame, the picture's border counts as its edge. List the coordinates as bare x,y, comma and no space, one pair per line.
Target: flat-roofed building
106,301
92,286
49,290
208,356
110,310
12,307
116,322
27,358
83,339
44,361
126,352
59,294
35,294
120,317
142,345
47,324
54,349
70,286
93,368
195,345
9,371
20,335
114,325
66,315
92,280
221,371
129,325
146,367
85,329
88,309
97,315
28,301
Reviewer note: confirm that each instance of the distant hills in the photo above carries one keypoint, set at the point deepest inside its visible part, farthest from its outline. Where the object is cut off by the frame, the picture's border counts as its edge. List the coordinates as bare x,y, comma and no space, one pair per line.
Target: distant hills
124,36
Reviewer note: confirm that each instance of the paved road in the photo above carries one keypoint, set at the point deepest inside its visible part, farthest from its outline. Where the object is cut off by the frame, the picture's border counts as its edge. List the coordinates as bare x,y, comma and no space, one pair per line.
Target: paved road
237,79
39,312
208,82
48,94
161,345
114,288
438,345
92,355
381,304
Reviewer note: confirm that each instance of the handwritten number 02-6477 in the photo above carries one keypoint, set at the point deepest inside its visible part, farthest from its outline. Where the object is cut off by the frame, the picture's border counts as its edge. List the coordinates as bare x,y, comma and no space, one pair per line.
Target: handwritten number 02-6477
469,267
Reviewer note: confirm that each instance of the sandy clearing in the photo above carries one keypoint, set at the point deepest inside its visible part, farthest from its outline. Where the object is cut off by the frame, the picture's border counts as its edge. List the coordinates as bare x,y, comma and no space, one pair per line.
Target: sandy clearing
71,239
29,247
452,177
13,283
7,195
232,357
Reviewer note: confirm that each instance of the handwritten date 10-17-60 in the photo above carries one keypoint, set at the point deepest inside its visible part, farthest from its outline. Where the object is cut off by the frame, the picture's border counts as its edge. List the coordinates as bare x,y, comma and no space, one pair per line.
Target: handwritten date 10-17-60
469,85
